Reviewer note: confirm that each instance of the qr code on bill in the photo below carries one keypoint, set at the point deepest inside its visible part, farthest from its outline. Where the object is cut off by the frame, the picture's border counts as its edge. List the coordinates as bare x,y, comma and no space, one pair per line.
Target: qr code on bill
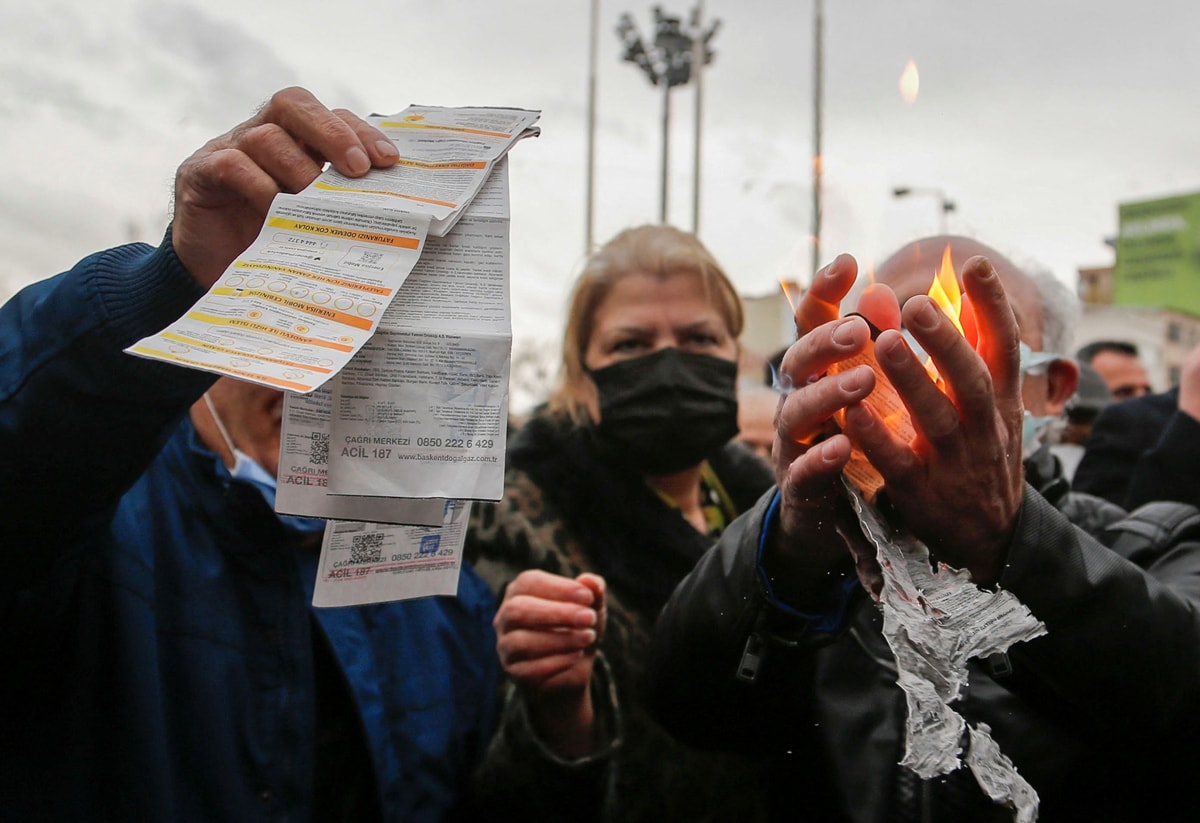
318,450
366,548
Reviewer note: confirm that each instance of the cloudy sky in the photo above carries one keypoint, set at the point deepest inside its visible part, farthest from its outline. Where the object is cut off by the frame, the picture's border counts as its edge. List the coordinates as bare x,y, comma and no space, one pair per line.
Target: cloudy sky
1037,117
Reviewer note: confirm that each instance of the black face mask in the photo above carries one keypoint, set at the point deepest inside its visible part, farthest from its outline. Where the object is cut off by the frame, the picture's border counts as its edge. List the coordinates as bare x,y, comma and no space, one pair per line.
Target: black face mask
667,411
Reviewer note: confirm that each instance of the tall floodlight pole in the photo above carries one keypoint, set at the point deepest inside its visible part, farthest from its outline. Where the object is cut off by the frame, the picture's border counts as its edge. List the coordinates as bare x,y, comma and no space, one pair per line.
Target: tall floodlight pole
665,188
667,62
818,160
590,196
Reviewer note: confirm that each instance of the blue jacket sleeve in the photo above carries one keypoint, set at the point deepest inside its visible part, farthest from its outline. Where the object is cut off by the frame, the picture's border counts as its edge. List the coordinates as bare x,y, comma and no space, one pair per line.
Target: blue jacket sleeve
80,420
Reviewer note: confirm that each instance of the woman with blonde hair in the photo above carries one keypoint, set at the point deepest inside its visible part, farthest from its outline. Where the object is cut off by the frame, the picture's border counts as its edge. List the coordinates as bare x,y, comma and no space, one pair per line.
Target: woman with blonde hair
613,491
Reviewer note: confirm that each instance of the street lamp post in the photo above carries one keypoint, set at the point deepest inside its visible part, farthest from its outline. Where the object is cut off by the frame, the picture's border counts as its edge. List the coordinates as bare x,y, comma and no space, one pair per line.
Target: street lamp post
945,204
666,62
590,194
700,58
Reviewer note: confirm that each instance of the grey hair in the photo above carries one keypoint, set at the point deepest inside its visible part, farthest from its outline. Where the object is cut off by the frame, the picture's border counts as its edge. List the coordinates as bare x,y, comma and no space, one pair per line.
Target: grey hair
1060,310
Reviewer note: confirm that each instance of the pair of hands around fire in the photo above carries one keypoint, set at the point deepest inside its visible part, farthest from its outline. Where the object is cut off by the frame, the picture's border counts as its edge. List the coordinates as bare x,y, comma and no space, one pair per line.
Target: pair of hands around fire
956,485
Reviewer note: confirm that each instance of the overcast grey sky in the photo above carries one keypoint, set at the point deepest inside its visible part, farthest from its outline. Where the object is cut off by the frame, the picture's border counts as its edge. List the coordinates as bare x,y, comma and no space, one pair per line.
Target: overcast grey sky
1036,116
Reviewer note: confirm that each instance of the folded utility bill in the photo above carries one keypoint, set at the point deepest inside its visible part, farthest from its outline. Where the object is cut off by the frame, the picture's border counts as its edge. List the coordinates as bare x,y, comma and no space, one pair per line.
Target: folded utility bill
292,310
381,306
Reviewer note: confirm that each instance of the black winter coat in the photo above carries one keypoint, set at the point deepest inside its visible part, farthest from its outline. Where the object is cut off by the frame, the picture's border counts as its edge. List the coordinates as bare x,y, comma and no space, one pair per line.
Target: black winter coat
1101,715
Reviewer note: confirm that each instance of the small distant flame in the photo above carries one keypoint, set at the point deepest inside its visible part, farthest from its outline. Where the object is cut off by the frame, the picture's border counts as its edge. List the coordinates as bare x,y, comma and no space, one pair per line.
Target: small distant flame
945,291
792,292
910,82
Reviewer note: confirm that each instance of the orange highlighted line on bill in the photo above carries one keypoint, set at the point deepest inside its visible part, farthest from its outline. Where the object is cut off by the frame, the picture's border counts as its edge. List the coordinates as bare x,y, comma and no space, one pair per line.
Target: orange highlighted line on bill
383,291
263,328
457,164
345,318
404,124
413,197
202,344
339,231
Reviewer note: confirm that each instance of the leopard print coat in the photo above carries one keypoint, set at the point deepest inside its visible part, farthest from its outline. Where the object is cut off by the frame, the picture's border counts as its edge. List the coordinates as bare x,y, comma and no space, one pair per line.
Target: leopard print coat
567,510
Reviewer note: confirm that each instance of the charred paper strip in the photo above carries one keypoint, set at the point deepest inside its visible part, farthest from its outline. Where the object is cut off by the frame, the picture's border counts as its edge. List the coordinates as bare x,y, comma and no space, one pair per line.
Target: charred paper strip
934,622
998,776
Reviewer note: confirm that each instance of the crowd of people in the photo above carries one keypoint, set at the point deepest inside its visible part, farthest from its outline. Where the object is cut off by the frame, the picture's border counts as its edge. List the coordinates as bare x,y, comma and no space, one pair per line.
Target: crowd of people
670,615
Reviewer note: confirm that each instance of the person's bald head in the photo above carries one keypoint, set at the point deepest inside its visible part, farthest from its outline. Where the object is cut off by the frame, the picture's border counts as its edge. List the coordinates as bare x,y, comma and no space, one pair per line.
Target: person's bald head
911,270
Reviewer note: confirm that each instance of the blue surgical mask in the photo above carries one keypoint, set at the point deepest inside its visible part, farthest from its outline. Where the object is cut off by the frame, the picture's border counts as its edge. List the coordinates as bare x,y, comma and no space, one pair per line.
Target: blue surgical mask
247,470
1035,431
1035,362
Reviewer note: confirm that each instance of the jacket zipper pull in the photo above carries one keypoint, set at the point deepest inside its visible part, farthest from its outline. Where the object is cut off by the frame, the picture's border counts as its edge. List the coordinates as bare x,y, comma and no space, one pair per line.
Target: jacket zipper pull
752,656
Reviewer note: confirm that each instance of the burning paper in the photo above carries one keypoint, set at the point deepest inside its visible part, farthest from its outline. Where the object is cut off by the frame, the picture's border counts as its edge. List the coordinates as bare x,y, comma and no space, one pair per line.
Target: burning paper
887,404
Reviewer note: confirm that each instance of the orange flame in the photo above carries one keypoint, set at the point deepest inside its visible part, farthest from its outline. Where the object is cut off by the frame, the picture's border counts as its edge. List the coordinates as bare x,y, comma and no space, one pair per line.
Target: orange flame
910,82
948,296
945,291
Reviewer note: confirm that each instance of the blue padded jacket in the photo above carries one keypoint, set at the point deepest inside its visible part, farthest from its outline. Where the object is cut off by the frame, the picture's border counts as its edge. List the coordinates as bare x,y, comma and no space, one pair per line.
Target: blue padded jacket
160,650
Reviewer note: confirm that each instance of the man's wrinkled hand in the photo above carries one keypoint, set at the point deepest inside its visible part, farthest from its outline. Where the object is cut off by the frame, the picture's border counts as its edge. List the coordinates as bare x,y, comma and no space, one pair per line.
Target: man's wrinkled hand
958,484
809,456
223,191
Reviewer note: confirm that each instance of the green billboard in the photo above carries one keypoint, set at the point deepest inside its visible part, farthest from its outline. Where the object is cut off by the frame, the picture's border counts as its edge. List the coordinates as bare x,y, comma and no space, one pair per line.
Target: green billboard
1158,254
